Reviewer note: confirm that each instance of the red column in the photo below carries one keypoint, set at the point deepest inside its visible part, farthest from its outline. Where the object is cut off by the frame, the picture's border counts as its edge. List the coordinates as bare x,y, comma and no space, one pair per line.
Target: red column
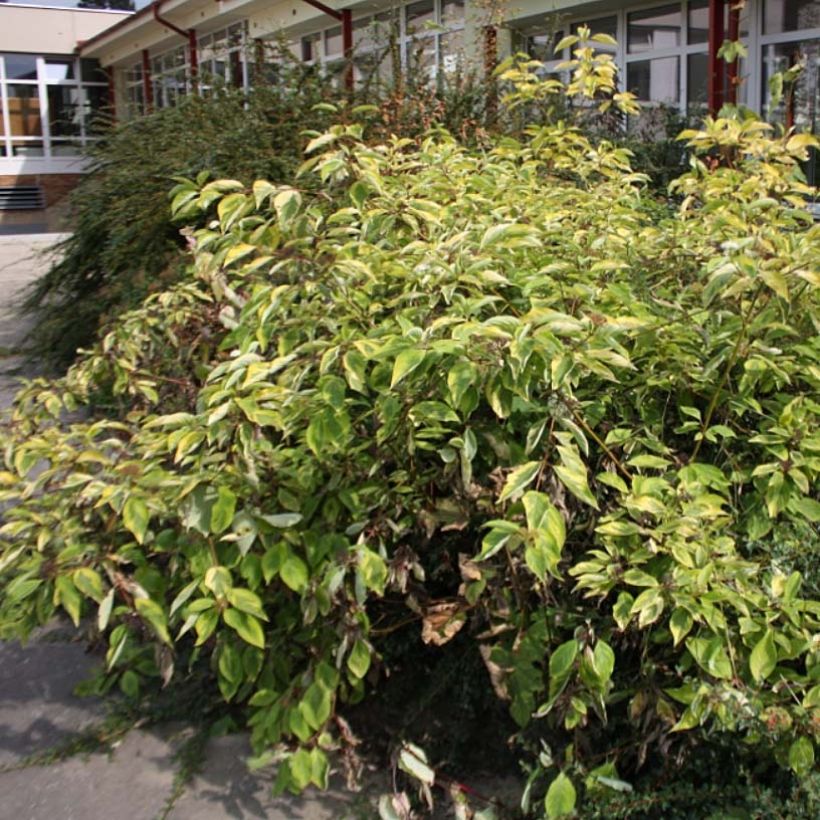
347,47
147,85
112,94
731,69
192,56
715,72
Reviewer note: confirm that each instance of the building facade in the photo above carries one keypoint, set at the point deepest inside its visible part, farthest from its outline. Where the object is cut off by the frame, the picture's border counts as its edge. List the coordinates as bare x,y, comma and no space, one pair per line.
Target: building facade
48,97
58,66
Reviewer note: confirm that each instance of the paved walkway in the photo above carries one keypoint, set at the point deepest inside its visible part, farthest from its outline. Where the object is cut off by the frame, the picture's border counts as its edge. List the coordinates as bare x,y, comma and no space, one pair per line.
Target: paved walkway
41,718
23,258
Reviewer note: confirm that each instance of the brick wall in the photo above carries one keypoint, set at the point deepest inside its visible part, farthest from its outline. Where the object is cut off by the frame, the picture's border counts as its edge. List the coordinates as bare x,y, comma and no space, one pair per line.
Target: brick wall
55,186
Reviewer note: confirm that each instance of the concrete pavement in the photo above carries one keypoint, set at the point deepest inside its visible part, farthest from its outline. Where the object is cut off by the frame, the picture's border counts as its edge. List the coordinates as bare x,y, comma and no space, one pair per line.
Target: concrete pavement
137,779
23,258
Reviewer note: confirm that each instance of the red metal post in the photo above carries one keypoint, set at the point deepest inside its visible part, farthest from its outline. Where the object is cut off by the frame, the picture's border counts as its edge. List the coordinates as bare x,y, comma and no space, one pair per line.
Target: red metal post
732,68
112,93
192,55
715,72
347,48
147,85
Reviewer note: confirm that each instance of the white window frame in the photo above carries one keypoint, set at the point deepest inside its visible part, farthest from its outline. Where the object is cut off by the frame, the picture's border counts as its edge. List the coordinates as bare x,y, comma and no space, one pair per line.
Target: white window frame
42,84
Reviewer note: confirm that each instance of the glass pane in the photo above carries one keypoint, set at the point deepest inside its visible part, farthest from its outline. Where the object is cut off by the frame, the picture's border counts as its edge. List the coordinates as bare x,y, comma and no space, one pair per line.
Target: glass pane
542,46
418,14
421,61
310,47
20,66
65,149
27,149
697,74
790,15
65,110
654,29
96,100
333,41
654,80
601,25
452,12
237,78
57,70
235,35
803,107
24,111
699,21
451,51
92,72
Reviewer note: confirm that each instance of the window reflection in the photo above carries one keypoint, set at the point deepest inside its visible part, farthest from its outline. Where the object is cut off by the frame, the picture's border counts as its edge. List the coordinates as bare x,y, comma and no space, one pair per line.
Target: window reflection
790,15
801,106
654,80
655,29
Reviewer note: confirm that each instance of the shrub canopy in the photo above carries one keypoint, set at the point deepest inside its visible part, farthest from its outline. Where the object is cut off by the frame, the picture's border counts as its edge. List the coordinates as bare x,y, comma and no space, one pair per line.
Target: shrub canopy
500,394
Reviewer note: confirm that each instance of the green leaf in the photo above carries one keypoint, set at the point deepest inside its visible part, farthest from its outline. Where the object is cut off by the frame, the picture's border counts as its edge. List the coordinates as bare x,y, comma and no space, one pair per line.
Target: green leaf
66,594
218,580
461,377
406,362
104,611
573,474
223,510
317,705
153,614
88,581
358,662
373,570
287,205
355,366
282,520
518,479
413,761
562,660
246,626
680,624
801,756
543,516
763,658
300,766
247,601
319,768
604,659
560,799
135,516
294,573
622,611
273,559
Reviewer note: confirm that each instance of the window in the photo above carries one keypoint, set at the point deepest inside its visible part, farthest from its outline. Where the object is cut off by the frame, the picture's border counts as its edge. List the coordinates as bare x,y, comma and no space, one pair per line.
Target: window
654,30
791,36
655,80
428,35
222,58
135,92
49,104
781,16
170,76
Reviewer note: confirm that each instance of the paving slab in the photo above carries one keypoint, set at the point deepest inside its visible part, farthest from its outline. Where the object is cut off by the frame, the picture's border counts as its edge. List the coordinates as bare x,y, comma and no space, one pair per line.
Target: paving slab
38,707
134,782
23,258
226,788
